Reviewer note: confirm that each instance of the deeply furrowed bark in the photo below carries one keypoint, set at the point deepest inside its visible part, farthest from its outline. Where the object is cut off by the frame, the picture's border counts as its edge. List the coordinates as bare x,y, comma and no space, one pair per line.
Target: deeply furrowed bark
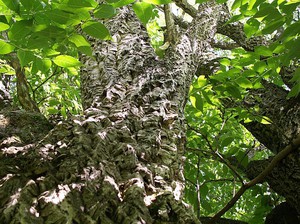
122,161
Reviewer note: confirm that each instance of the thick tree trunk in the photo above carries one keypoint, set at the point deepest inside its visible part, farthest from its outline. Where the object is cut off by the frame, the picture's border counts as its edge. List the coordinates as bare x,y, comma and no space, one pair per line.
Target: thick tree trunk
122,161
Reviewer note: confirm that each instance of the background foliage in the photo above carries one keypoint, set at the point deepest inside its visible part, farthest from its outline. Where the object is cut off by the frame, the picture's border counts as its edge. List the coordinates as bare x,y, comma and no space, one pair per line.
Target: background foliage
47,37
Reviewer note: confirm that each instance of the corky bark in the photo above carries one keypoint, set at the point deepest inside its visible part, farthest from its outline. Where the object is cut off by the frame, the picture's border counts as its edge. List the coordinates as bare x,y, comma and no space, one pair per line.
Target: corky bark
122,161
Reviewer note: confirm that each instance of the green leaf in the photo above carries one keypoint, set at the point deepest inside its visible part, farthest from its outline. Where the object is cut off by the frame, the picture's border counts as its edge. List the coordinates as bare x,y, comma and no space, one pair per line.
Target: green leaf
81,43
96,29
42,65
143,10
12,4
66,61
296,76
272,26
5,48
25,57
290,31
79,4
263,51
234,91
225,61
244,82
105,11
265,120
79,40
294,91
121,3
260,66
197,102
201,81
59,16
3,26
158,2
225,142
19,30
251,27
265,11
236,4
86,50
33,5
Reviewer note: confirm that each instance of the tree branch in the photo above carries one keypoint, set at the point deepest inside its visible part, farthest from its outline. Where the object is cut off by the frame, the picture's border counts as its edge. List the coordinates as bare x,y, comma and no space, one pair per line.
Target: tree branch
186,7
281,155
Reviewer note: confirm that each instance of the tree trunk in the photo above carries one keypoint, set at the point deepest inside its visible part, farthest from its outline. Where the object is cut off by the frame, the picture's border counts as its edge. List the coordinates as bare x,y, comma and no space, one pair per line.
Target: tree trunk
122,161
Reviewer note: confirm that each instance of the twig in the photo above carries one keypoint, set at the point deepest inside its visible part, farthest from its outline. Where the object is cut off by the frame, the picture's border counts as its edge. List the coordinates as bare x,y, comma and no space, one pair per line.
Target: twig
198,188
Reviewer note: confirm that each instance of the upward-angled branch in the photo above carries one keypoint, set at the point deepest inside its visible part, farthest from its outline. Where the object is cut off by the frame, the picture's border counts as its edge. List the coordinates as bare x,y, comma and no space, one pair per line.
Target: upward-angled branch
280,156
186,7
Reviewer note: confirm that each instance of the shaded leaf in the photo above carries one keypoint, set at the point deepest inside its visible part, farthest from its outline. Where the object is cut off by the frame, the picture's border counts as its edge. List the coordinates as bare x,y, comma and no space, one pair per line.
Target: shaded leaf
96,29
105,11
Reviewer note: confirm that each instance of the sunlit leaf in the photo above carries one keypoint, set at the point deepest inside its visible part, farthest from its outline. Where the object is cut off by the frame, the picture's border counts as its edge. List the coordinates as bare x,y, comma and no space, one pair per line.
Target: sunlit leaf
143,10
66,61
3,26
5,48
158,2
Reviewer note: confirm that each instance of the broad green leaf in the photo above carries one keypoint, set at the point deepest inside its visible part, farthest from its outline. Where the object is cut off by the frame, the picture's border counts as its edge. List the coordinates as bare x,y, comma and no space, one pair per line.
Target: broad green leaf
236,4
66,61
59,16
291,30
96,29
225,61
105,11
79,40
86,50
251,27
263,51
112,1
52,110
294,91
25,57
201,81
34,5
121,3
197,102
143,10
81,43
260,66
158,2
272,26
225,142
244,82
234,91
79,4
206,97
3,26
37,41
12,4
296,76
19,30
265,11
42,65
5,48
